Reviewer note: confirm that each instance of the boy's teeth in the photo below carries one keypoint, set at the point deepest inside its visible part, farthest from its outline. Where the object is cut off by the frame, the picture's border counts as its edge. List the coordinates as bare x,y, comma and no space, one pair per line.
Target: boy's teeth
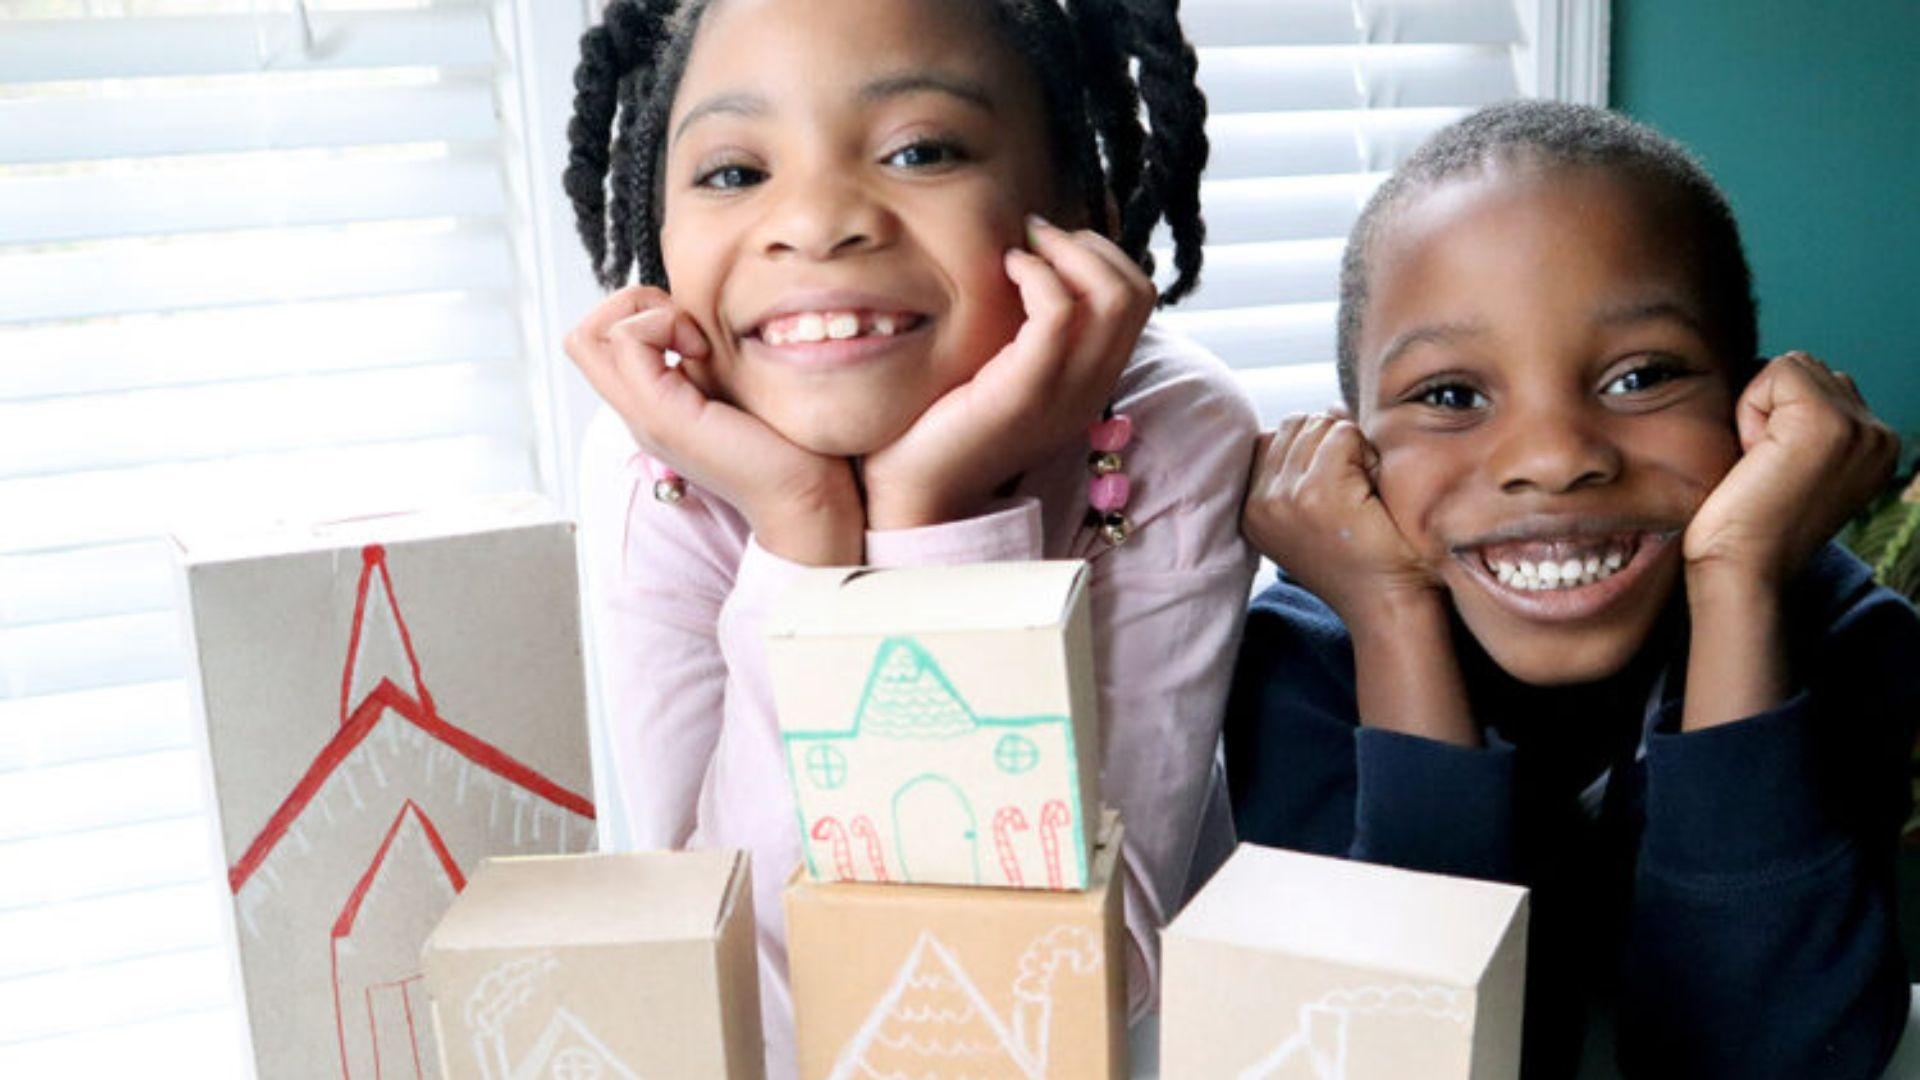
1547,574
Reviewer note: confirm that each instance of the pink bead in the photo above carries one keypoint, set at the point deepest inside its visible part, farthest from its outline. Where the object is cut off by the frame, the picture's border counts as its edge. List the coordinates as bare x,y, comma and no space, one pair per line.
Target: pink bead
1109,493
1110,436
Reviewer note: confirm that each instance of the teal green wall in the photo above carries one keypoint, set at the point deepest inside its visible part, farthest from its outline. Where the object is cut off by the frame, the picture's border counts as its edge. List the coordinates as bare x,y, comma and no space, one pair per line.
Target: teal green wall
1808,114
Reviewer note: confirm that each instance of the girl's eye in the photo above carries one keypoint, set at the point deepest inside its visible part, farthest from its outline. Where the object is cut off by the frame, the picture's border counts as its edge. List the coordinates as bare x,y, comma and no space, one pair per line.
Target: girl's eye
925,154
730,177
1641,379
1452,397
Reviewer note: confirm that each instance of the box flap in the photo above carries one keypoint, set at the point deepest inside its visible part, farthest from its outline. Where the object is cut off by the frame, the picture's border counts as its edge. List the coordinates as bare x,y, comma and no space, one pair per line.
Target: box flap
928,599
1428,925
234,537
593,900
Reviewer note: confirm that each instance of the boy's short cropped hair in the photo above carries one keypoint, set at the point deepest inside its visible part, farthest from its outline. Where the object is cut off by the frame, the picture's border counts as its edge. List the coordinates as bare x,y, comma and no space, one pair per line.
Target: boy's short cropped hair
1553,135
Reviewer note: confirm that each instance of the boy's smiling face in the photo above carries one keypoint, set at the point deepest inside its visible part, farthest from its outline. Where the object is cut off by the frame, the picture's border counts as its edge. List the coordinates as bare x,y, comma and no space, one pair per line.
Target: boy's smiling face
842,180
1535,371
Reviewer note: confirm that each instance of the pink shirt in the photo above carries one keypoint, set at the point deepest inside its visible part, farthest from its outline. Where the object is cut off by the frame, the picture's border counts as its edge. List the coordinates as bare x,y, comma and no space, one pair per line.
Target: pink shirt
683,591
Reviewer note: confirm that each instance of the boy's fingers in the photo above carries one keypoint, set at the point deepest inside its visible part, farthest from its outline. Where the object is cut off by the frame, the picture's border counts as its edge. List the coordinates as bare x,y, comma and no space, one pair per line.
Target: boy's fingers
1300,453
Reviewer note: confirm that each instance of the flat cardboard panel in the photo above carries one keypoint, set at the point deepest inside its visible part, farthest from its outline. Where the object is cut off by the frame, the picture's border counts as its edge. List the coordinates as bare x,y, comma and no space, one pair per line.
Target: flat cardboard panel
520,988
939,723
1297,965
378,718
933,981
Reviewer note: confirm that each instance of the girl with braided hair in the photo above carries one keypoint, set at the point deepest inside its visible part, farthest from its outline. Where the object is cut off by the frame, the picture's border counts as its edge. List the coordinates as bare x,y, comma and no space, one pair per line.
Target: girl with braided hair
839,216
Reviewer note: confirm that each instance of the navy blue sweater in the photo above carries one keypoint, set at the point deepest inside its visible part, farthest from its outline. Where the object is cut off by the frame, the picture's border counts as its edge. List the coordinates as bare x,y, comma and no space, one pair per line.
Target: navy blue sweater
1726,897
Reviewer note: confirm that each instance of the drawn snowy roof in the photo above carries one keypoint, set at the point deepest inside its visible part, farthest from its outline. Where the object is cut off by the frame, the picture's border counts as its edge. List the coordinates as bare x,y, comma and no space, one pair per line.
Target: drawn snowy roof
907,696
931,1018
587,1054
358,720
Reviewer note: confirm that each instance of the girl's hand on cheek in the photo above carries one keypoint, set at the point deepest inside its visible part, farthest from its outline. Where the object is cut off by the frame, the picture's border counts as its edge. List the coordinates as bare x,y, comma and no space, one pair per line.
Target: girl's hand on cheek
1813,455
801,505
1086,304
1313,509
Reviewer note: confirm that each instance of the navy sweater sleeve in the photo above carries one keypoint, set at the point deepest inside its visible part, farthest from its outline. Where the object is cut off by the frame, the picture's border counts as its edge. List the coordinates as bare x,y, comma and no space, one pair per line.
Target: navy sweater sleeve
1303,774
1764,937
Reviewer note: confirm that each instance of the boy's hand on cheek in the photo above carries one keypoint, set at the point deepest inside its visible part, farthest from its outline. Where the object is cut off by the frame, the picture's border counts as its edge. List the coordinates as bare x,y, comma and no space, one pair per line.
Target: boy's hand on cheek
801,505
1313,509
1086,304
1813,455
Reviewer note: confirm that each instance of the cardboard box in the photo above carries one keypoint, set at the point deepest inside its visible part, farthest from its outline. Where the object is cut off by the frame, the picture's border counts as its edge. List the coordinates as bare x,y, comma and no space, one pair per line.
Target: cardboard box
938,981
386,702
939,723
635,965
1291,965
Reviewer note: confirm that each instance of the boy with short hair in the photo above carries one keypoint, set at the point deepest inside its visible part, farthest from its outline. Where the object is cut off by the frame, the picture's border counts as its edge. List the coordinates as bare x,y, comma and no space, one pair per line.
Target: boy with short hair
1559,609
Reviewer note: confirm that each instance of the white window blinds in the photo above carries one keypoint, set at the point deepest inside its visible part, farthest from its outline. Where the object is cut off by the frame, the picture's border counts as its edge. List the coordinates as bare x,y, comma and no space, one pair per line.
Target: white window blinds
1313,102
253,257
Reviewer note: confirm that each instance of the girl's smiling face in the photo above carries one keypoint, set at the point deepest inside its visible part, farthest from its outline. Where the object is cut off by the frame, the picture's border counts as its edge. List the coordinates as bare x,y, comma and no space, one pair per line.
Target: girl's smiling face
842,180
1535,371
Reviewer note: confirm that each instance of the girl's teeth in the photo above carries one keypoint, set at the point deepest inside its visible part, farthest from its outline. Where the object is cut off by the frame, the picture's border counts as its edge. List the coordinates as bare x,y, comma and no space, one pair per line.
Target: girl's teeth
883,325
842,326
809,328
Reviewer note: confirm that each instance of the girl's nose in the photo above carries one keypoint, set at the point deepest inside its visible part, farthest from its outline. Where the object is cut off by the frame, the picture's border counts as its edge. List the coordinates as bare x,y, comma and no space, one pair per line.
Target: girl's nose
824,214
1552,451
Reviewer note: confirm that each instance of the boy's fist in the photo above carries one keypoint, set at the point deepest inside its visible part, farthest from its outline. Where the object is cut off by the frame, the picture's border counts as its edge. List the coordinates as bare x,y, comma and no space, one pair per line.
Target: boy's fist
1813,455
1312,508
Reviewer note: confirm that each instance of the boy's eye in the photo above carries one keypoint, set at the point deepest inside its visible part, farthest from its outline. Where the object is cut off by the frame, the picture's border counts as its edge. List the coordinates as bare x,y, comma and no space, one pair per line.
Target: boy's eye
730,177
924,154
1641,379
1452,397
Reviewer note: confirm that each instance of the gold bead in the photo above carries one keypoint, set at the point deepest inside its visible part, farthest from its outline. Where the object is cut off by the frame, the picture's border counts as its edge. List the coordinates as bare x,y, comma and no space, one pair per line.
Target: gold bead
1105,464
1115,528
670,491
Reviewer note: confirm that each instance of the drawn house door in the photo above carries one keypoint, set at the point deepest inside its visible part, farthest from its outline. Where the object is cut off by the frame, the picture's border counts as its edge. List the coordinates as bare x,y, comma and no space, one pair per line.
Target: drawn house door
931,816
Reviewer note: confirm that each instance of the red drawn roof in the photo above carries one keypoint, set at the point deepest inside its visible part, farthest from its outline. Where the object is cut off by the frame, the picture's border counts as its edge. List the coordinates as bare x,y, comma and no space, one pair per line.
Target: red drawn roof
355,726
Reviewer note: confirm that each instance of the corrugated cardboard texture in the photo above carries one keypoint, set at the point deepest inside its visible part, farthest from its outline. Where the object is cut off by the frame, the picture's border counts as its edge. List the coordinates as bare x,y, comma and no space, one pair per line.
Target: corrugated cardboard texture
633,965
939,723
378,719
936,981
1289,964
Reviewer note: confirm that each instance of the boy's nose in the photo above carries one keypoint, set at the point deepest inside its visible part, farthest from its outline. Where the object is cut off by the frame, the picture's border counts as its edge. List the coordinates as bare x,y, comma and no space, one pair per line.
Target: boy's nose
1552,454
823,217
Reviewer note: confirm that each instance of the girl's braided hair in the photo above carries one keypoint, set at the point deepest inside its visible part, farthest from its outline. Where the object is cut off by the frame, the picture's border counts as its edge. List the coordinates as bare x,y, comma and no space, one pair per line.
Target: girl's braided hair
1084,54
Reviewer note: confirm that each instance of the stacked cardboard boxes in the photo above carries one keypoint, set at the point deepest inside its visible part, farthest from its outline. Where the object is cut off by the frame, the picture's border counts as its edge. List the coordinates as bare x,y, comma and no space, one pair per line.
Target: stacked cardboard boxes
957,912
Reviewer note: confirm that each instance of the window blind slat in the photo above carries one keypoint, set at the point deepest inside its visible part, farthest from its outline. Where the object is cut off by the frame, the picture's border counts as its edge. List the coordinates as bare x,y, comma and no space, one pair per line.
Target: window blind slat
107,431
186,348
1353,77
1248,145
1249,337
119,993
61,729
105,929
192,194
111,579
52,869
51,129
1338,22
1313,386
79,654
65,49
100,794
1247,275
127,504
208,1038
118,278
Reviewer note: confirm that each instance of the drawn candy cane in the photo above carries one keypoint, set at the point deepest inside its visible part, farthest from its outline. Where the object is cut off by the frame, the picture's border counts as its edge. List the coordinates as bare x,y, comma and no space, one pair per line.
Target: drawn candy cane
1007,821
1053,818
829,829
863,828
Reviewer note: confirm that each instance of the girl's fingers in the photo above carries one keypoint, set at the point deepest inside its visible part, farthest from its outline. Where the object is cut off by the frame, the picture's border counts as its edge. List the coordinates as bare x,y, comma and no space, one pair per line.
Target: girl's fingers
1040,344
1115,297
617,306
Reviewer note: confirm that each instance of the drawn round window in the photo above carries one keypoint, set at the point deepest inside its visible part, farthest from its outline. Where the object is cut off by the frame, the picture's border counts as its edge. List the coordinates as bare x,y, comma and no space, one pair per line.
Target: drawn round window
574,1063
826,766
1015,754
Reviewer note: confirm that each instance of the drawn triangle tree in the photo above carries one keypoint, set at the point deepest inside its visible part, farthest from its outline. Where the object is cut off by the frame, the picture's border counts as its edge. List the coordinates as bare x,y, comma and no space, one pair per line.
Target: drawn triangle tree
396,802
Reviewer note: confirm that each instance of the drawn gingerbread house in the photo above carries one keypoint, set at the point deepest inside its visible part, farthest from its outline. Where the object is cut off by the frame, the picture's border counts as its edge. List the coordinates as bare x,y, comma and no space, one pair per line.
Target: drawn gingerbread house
336,893
904,791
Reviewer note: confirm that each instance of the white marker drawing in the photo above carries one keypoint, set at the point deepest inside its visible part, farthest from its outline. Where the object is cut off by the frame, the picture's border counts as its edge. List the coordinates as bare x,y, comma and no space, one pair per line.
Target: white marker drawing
932,1017
1318,1045
566,1049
